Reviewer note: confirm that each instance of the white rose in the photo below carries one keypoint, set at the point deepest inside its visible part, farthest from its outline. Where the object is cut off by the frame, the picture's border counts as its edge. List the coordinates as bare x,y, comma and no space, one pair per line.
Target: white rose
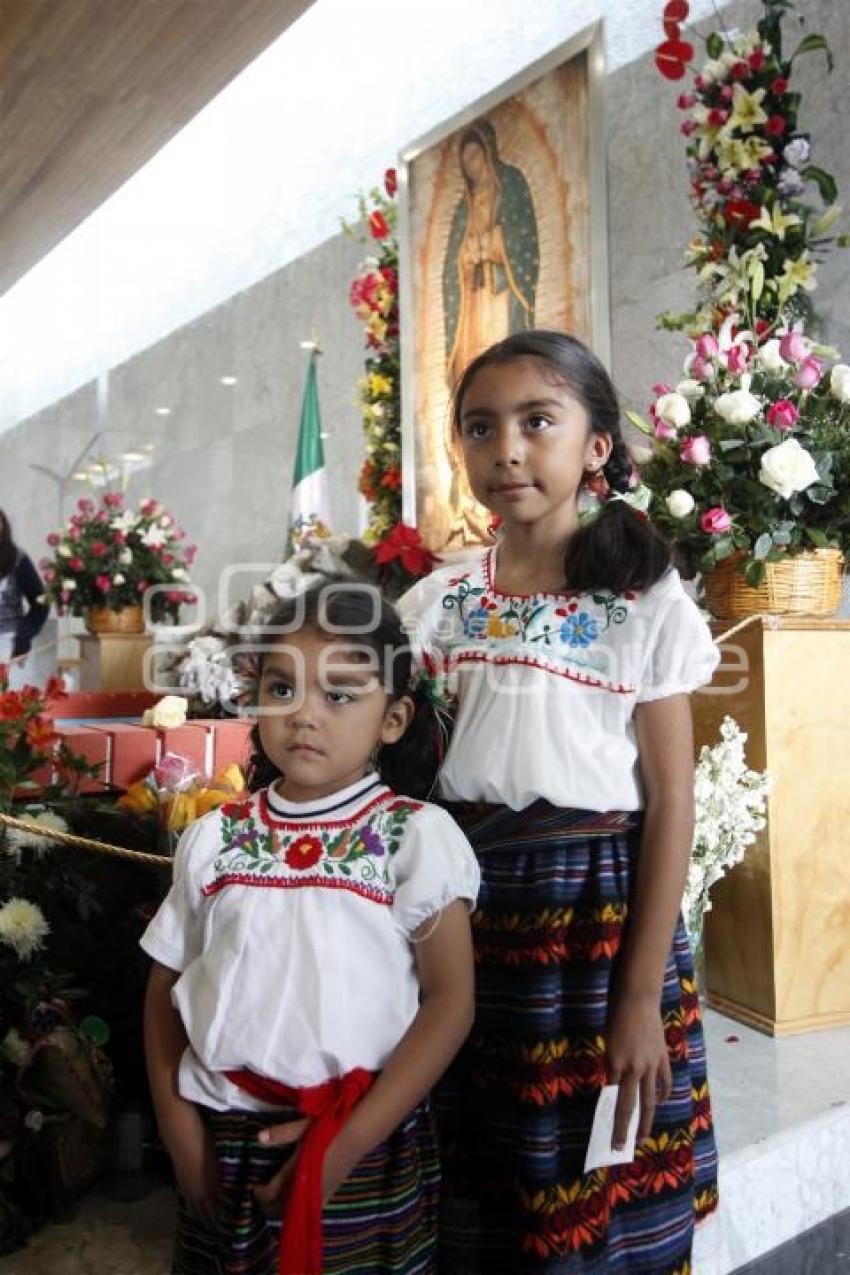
738,407
169,712
179,573
839,382
118,578
787,468
64,551
673,409
770,358
640,454
690,389
69,583
125,557
680,503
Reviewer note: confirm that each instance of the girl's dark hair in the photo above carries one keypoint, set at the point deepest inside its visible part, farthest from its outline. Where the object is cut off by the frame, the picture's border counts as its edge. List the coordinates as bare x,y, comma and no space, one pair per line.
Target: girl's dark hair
620,549
353,610
8,549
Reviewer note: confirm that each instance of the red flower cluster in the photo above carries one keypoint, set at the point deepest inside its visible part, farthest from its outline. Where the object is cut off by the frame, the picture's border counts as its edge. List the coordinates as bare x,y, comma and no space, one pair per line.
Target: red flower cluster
405,546
27,736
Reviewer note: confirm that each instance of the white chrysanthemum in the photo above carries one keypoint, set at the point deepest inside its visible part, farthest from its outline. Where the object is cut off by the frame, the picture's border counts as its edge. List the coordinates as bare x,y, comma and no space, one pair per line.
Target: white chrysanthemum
23,927
14,1048
18,840
729,811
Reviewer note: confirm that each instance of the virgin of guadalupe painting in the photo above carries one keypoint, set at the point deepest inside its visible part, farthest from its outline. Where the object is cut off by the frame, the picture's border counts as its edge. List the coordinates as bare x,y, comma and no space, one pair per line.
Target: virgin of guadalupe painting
503,229
492,259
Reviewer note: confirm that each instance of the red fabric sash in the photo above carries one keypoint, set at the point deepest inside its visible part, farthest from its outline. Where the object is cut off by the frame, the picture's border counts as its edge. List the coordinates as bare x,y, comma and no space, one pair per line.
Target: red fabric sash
327,1106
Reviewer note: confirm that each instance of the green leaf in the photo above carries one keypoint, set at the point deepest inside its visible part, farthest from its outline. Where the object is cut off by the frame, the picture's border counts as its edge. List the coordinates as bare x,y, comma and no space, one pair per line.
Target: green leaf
763,545
723,547
809,44
754,574
824,182
730,444
757,281
817,537
714,45
638,421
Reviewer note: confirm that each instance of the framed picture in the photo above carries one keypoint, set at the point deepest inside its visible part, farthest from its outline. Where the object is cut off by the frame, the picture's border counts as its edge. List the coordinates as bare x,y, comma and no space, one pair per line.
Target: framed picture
503,227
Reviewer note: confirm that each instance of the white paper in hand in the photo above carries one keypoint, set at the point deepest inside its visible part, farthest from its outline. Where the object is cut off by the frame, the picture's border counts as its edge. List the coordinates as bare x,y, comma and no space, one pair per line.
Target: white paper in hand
599,1151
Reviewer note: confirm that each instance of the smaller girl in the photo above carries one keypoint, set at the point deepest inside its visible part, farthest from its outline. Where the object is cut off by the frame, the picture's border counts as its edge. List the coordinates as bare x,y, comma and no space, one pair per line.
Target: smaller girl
312,962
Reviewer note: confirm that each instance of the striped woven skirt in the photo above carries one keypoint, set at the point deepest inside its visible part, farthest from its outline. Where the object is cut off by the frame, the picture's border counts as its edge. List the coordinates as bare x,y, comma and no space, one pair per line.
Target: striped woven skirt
516,1108
381,1221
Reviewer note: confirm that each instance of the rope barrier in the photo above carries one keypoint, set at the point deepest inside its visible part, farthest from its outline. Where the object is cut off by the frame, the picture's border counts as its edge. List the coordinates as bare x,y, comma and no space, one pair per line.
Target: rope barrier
83,843
772,622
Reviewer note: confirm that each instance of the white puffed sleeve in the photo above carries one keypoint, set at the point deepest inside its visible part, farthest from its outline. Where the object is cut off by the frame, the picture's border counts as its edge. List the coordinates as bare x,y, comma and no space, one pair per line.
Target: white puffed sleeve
175,936
433,866
681,654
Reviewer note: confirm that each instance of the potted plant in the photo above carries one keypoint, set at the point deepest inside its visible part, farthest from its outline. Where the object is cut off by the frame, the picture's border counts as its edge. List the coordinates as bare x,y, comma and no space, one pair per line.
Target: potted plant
107,557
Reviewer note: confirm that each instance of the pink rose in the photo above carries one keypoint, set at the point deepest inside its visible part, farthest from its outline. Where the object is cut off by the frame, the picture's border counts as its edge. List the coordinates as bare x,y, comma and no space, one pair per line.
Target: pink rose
737,359
141,586
715,521
76,564
119,537
782,414
726,93
167,559
708,347
696,450
174,595
687,127
701,370
103,583
113,499
662,388
53,538
49,574
793,347
808,373
663,430
685,101
99,549
85,506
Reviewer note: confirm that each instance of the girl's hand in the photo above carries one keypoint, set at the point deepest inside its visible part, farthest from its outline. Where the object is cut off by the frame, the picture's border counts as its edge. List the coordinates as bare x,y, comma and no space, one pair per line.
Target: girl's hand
270,1194
196,1171
638,1063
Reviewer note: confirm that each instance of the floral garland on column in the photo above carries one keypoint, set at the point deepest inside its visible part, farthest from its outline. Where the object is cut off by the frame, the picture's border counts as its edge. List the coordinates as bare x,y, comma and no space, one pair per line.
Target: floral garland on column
397,550
751,450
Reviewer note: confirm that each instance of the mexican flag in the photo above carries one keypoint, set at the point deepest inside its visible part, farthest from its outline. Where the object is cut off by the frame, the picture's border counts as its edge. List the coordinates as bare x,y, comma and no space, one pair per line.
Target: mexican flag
309,512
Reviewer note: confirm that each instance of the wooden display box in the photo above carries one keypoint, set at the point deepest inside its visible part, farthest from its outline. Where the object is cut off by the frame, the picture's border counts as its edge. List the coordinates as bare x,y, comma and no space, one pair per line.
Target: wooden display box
113,661
778,935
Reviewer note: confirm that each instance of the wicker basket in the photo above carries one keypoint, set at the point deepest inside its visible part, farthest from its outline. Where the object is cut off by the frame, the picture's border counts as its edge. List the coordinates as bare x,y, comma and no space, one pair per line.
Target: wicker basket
806,584
105,620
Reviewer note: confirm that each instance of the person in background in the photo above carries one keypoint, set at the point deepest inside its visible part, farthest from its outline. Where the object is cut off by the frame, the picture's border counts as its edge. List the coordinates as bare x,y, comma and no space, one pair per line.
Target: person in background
22,614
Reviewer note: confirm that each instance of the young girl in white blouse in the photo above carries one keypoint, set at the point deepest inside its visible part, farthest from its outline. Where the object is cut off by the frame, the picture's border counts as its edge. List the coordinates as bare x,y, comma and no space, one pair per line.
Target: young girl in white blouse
312,962
569,649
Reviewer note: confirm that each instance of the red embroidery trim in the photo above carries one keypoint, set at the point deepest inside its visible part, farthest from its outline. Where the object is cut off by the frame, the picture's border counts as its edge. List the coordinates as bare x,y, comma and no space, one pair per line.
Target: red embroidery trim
271,820
482,657
490,582
296,883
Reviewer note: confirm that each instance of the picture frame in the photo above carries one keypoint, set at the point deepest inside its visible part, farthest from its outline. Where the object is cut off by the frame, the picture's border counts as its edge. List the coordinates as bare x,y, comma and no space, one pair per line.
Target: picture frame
503,226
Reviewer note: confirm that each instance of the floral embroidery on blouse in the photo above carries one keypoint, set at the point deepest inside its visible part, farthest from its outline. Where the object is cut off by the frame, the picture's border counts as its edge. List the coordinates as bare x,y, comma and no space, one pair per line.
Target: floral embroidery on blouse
355,852
566,624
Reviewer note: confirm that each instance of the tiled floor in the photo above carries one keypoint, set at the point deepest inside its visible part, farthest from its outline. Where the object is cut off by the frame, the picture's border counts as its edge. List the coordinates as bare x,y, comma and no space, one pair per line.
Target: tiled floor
783,1123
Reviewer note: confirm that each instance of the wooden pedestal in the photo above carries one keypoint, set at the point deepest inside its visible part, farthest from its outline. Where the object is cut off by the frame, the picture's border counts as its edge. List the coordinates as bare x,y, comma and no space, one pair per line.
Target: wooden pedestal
778,935
112,661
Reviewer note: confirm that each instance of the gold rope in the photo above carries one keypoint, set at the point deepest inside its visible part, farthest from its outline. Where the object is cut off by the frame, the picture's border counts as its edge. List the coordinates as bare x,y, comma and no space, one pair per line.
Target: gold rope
83,843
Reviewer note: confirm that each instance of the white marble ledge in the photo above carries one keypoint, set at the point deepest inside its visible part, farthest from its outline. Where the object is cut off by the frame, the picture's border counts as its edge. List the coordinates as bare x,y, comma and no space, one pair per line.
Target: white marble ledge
782,1111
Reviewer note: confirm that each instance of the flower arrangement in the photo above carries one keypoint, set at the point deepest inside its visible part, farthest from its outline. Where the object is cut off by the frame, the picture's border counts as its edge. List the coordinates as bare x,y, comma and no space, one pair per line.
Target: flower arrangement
28,743
374,297
109,556
751,449
729,809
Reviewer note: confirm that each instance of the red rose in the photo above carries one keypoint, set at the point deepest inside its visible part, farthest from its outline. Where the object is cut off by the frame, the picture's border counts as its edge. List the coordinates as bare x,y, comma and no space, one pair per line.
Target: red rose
716,521
776,125
757,60
391,182
303,853
782,414
739,71
378,225
717,117
779,86
740,212
99,549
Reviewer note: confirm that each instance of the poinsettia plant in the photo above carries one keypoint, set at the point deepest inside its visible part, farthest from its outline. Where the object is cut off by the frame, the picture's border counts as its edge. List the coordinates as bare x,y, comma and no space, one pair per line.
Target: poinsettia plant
751,450
110,556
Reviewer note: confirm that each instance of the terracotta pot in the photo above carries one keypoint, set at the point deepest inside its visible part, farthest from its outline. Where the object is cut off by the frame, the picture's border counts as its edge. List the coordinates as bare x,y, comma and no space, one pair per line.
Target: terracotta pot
806,584
105,620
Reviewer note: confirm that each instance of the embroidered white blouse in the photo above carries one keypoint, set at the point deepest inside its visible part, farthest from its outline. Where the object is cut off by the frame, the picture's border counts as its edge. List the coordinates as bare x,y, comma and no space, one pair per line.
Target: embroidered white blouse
545,685
290,927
